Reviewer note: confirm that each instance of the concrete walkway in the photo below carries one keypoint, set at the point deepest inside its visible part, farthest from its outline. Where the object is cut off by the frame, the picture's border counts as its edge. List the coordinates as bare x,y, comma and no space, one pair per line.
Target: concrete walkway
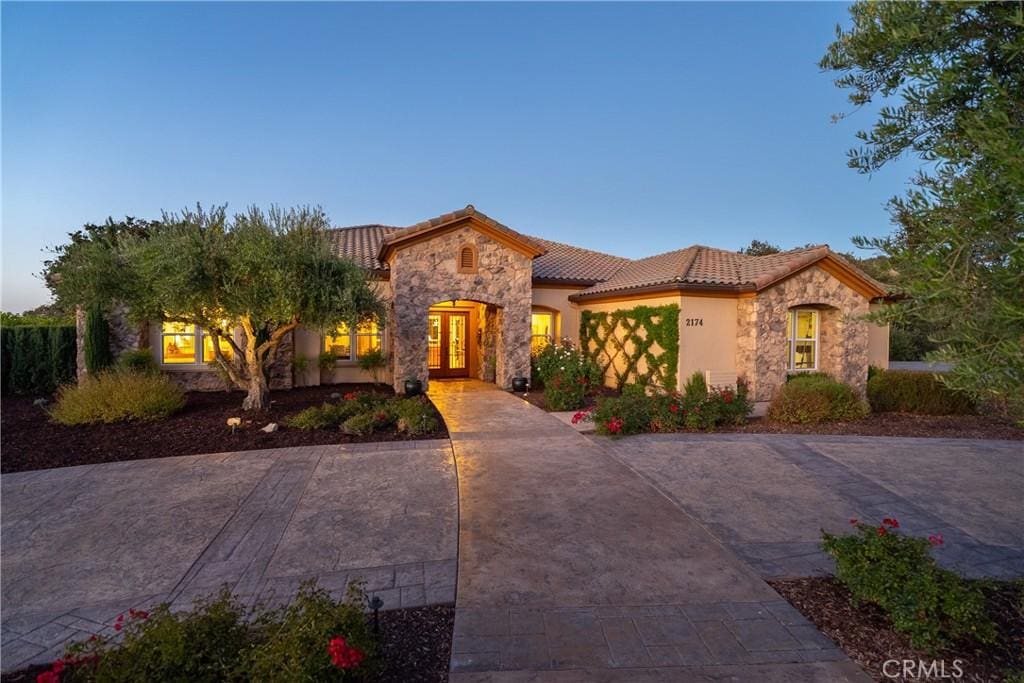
574,567
84,544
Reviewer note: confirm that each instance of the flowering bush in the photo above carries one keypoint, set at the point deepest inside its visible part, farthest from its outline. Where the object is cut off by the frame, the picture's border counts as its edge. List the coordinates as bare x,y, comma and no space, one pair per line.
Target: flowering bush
641,409
569,376
932,605
313,639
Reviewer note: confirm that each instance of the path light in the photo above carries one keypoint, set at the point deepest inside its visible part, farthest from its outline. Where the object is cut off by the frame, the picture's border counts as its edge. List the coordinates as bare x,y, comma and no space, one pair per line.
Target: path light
375,604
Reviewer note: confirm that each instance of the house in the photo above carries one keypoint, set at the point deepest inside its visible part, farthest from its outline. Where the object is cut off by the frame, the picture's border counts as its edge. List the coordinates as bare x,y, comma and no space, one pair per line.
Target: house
470,297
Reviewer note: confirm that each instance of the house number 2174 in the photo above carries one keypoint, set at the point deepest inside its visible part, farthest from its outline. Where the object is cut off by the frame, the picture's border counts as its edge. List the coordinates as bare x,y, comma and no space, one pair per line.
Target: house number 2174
695,322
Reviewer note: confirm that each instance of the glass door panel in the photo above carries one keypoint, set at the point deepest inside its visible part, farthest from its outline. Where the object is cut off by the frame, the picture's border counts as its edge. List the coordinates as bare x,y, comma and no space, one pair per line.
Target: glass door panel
434,341
456,341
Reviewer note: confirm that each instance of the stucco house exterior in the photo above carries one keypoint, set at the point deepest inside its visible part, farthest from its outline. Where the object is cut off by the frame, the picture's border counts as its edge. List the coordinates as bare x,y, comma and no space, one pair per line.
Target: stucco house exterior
469,297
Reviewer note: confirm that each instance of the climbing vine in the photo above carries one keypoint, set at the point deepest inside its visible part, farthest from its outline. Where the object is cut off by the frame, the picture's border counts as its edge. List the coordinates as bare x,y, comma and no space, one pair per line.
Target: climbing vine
619,340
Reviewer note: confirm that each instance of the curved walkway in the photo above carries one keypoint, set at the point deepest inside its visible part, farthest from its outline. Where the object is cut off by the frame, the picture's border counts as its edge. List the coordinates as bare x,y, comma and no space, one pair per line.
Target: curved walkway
568,560
83,544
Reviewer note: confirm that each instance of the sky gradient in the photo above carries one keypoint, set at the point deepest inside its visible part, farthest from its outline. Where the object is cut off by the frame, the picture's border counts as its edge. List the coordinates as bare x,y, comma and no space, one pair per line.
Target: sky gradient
632,129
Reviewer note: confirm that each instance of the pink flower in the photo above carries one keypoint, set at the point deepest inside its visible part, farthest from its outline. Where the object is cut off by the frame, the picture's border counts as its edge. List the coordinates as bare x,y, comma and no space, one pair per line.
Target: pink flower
614,425
936,539
48,677
854,521
882,531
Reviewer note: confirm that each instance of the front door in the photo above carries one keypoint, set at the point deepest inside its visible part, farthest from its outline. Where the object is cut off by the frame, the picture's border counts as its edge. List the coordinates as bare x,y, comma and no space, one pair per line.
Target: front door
446,344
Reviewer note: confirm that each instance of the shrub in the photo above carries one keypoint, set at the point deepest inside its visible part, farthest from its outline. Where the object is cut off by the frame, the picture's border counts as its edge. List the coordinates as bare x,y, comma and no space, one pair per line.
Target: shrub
312,639
641,409
326,361
137,360
915,392
415,416
113,396
301,640
97,341
373,362
813,398
331,415
932,605
37,359
204,644
569,376
369,421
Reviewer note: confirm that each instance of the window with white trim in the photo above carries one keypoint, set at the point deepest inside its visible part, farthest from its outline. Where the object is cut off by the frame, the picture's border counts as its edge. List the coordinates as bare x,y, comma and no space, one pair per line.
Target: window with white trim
542,330
348,344
179,344
802,339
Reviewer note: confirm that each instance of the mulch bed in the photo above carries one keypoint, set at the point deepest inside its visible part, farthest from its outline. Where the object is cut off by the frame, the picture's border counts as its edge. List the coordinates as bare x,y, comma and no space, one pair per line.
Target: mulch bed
415,645
536,397
896,424
865,633
29,441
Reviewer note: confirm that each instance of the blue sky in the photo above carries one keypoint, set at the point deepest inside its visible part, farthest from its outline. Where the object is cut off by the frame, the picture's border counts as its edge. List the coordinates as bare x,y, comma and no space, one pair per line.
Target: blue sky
632,129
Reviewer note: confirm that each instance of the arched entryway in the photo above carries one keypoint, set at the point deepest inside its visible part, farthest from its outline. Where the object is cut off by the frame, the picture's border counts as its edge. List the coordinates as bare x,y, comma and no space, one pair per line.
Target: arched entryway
461,340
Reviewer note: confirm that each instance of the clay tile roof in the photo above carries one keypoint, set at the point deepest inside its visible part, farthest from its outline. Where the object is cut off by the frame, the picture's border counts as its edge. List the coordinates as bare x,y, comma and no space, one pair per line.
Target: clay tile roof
574,264
361,242
662,269
444,219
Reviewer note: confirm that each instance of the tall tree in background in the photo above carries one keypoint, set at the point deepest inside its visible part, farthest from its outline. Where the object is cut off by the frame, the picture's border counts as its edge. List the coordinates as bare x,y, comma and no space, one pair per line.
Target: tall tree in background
265,272
951,76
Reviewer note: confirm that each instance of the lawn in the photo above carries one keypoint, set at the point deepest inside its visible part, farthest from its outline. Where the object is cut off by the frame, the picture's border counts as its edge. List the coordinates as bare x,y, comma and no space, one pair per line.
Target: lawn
30,440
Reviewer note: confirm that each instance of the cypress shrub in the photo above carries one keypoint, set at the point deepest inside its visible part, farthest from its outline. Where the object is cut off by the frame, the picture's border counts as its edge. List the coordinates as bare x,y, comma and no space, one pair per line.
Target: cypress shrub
97,341
36,360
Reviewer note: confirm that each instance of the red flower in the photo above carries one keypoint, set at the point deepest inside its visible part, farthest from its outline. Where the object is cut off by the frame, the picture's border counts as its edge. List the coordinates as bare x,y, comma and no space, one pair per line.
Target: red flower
673,408
854,521
48,677
117,626
881,531
936,539
580,416
889,521
350,395
727,396
58,666
343,655
614,425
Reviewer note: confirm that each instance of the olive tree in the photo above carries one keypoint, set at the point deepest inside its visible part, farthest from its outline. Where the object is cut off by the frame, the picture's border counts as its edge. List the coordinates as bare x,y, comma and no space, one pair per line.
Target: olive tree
264,273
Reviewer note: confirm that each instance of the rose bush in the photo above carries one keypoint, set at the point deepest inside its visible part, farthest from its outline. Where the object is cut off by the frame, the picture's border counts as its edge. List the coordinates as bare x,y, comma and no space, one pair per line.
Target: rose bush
569,376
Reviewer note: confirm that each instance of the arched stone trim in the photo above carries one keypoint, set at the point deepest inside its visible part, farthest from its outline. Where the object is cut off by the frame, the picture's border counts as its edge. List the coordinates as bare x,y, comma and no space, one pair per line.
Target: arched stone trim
424,273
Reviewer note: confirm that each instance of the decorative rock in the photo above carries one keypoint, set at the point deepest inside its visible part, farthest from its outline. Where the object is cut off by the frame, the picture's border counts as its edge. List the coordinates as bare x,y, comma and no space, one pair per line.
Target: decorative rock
270,428
40,402
335,396
234,421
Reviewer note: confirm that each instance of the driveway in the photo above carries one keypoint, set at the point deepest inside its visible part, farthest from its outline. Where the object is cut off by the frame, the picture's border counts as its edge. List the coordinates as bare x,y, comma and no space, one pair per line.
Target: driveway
767,496
570,561
83,544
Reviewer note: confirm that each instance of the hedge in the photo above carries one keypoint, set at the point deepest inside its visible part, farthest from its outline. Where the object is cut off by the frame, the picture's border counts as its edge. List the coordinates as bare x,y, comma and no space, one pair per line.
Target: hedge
36,360
905,391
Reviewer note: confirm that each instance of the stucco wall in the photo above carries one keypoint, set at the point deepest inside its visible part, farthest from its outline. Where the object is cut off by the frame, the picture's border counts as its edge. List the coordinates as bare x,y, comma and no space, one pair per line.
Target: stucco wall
567,323
618,363
425,273
708,342
878,342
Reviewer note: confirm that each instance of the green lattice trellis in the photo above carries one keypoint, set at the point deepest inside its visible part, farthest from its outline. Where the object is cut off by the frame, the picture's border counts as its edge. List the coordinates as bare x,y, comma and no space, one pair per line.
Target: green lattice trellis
619,340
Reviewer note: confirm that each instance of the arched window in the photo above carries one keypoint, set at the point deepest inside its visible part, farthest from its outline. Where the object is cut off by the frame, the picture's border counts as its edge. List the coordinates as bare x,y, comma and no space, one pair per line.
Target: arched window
467,259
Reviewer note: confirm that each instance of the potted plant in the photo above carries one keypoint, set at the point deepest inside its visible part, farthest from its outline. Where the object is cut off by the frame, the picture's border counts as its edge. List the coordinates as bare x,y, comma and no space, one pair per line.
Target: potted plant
520,385
413,387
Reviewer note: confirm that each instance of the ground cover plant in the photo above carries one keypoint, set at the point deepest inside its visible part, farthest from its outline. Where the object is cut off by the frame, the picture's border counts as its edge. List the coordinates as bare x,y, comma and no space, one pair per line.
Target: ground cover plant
815,397
568,375
641,409
915,392
30,439
933,606
367,412
115,396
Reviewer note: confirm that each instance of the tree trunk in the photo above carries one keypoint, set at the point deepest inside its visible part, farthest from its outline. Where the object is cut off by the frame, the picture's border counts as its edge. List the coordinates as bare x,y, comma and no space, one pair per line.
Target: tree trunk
258,397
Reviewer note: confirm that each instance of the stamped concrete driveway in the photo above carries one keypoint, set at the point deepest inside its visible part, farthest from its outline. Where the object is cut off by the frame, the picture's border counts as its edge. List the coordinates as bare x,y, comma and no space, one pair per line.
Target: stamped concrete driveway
83,544
572,567
767,496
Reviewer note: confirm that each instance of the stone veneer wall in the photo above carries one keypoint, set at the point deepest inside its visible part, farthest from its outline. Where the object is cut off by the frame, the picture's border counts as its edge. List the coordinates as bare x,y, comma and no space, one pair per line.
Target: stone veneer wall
425,273
842,339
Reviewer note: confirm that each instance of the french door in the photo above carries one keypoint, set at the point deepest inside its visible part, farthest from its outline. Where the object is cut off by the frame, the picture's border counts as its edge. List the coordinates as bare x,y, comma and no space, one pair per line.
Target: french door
447,351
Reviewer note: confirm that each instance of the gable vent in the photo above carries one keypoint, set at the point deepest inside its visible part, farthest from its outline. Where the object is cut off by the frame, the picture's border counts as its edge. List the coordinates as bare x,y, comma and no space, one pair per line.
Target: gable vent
467,260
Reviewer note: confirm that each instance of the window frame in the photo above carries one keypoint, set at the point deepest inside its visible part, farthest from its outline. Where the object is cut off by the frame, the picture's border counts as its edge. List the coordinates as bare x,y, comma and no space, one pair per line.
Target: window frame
553,335
350,358
792,339
353,343
199,337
